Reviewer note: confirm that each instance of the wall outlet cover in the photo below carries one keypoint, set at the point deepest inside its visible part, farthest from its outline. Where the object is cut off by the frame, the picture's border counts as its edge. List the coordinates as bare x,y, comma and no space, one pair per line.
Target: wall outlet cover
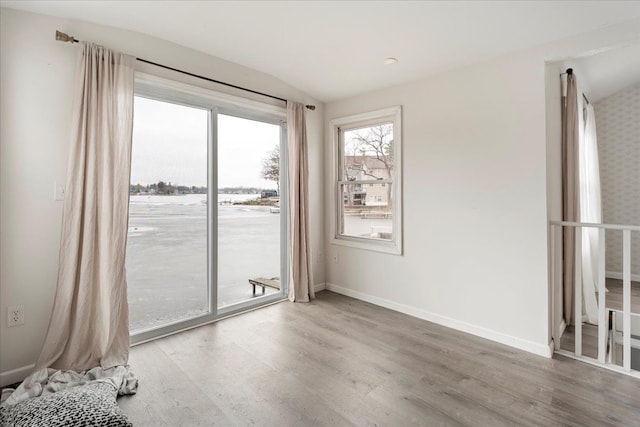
15,315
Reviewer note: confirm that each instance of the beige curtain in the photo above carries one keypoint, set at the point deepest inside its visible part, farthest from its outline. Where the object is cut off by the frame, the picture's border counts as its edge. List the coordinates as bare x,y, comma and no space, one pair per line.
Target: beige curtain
300,278
570,189
89,324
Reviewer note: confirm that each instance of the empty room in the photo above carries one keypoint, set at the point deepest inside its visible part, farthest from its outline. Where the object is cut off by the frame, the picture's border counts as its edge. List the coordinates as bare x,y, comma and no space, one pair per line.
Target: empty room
336,213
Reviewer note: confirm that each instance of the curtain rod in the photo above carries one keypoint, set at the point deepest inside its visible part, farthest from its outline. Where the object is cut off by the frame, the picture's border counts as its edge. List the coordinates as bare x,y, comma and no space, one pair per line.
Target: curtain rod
60,36
570,71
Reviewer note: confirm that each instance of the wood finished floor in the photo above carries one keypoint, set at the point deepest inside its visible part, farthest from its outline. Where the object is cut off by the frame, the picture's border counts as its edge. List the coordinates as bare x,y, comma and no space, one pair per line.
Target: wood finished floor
339,362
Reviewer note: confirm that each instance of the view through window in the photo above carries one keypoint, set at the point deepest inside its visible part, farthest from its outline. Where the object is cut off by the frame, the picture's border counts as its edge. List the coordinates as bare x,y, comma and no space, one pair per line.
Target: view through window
167,242
181,243
367,172
366,208
248,208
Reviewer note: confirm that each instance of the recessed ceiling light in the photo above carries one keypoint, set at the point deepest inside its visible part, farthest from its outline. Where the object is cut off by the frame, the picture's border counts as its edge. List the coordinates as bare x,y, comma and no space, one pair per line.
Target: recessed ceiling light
390,61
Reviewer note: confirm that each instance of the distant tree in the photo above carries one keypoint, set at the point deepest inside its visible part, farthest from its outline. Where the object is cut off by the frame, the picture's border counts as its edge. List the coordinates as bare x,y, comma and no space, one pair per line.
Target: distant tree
374,142
271,166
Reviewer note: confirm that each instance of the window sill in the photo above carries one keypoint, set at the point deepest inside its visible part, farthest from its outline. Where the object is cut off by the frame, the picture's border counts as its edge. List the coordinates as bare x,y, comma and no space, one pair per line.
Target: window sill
387,247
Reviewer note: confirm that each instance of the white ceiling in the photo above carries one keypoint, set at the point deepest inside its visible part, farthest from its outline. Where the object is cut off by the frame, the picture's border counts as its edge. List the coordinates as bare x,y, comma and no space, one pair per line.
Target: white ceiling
608,72
333,49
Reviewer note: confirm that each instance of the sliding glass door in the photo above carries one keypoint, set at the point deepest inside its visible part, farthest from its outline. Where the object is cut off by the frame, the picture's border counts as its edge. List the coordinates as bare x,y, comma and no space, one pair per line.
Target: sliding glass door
206,217
249,213
167,242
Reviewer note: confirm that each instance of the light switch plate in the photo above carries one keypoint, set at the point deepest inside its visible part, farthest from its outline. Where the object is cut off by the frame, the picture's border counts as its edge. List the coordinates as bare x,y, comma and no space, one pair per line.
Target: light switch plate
58,191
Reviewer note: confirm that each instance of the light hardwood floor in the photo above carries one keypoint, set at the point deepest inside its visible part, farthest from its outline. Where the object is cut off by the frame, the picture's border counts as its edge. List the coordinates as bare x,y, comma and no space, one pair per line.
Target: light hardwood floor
338,361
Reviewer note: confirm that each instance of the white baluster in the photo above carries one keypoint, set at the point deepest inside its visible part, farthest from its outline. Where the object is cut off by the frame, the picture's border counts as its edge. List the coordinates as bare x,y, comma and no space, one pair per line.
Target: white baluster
577,289
554,284
626,300
602,324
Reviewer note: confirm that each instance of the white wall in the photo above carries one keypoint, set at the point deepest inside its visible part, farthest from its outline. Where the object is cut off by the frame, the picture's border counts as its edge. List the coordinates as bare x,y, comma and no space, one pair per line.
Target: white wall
475,247
618,129
477,196
36,80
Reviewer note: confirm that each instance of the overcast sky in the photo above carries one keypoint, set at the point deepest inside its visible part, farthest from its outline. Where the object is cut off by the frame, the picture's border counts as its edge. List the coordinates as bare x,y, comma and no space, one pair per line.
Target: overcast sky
170,145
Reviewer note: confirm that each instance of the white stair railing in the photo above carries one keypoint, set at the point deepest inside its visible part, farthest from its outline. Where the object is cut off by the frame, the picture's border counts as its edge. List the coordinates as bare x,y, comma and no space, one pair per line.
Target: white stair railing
556,233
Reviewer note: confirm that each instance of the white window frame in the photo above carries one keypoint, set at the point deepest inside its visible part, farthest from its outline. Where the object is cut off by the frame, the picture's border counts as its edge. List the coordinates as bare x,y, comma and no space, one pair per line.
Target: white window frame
166,90
338,127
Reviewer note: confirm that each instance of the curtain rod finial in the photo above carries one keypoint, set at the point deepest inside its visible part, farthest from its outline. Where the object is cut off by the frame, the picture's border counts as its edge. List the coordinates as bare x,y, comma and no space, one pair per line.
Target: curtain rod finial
60,36
311,107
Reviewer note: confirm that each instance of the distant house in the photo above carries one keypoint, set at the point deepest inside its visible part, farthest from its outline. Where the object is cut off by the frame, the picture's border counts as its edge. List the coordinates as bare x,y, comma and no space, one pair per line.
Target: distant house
363,168
265,194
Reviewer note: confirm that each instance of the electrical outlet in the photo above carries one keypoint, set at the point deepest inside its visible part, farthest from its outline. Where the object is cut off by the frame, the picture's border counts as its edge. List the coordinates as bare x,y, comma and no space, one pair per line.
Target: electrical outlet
15,315
335,259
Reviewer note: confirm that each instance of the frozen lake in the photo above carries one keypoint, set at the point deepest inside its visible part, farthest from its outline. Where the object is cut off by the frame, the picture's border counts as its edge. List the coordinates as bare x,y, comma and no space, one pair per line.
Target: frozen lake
167,254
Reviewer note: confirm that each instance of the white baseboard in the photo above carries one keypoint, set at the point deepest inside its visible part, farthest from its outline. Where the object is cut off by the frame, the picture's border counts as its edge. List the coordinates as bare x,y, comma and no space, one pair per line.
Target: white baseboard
545,350
617,275
319,287
15,375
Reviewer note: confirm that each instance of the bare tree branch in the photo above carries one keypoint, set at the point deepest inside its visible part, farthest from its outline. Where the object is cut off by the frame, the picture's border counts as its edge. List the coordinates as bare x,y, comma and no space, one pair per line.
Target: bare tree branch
374,143
271,166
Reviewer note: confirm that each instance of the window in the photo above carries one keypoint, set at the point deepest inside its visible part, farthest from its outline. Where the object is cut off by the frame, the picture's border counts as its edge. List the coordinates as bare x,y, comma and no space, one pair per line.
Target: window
367,175
166,257
206,216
